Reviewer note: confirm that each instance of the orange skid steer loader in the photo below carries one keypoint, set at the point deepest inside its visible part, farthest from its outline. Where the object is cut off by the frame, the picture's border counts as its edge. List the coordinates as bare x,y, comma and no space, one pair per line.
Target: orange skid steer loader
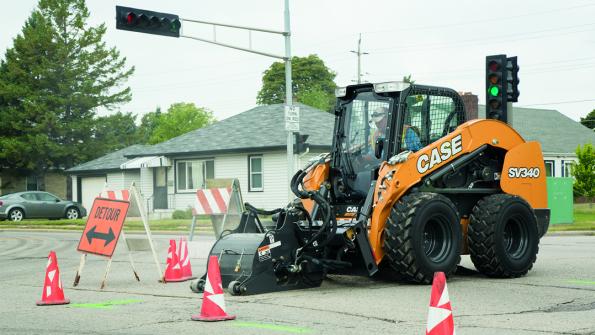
408,188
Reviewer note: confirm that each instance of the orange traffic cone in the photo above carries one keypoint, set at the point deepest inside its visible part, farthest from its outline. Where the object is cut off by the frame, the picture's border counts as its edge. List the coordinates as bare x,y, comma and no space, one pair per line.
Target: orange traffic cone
52,286
173,272
213,301
185,260
440,320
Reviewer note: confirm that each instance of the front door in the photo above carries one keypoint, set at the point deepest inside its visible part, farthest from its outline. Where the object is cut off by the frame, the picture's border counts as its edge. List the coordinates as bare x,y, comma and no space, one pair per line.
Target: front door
160,188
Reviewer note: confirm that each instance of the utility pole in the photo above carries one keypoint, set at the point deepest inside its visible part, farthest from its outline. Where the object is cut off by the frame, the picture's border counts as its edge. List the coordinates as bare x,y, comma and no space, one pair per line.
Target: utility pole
359,54
289,97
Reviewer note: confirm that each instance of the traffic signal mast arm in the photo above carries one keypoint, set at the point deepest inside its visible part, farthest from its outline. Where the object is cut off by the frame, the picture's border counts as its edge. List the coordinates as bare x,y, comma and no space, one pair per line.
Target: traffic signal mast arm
150,22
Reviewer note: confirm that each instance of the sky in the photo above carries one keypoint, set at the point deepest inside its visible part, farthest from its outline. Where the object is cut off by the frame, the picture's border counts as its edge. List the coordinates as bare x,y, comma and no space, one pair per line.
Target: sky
438,42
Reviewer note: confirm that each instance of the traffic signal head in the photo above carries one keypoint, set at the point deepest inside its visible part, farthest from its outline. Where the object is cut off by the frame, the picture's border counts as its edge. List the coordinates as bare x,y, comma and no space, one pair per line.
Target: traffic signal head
512,79
146,21
496,87
300,145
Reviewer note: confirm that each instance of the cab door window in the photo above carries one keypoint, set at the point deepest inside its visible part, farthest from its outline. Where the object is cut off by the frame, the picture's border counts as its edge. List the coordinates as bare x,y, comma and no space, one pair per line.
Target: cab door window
427,118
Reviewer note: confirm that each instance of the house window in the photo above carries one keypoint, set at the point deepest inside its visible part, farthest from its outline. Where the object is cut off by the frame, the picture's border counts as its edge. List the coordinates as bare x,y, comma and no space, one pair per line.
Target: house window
567,168
550,169
193,174
255,174
32,183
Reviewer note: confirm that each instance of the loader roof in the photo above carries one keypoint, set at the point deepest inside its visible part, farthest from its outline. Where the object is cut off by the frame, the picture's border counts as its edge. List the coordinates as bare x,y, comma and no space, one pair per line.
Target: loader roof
556,132
260,128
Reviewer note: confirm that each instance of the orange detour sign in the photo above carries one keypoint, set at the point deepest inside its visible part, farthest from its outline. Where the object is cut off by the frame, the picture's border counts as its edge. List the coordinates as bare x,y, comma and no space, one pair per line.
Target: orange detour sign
104,224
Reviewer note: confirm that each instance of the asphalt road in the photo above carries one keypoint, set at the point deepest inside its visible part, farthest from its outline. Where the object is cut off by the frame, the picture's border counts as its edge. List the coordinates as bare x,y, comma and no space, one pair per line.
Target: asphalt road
557,297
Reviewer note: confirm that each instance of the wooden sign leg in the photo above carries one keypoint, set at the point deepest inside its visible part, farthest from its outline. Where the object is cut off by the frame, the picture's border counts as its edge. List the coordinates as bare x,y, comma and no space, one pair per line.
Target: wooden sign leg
109,264
129,255
79,272
192,226
145,219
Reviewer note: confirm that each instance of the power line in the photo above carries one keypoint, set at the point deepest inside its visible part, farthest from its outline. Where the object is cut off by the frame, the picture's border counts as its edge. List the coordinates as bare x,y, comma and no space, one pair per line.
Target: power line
559,102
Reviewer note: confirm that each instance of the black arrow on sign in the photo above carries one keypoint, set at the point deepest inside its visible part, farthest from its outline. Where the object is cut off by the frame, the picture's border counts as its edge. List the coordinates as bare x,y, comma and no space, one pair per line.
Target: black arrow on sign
107,237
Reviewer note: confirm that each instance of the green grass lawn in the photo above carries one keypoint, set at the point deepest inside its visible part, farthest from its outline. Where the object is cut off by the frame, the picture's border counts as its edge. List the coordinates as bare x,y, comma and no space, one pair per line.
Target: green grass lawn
584,219
132,224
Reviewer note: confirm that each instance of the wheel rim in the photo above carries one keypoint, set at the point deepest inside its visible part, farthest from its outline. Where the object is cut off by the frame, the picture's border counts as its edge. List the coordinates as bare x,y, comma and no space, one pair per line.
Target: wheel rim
437,239
516,237
16,215
72,214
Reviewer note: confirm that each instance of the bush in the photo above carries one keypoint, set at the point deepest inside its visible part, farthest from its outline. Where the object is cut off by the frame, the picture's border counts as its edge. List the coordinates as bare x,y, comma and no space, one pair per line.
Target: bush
179,214
584,172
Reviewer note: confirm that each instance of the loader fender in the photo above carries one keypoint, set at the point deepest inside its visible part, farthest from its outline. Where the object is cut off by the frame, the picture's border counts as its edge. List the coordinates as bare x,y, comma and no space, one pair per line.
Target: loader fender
523,174
395,180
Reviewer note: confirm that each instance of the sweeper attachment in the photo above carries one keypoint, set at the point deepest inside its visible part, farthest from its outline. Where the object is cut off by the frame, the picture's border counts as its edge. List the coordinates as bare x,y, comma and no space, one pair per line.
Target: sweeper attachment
408,187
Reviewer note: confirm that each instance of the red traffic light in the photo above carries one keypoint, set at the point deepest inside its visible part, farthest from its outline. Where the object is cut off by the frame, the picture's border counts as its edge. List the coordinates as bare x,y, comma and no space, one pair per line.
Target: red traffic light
494,66
131,19
147,21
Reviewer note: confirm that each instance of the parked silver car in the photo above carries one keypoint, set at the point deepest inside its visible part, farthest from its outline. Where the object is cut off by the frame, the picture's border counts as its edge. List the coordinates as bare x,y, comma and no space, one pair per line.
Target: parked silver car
37,204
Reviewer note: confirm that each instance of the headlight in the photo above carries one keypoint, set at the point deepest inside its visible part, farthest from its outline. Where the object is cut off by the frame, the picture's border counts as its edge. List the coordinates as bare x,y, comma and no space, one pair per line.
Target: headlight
340,92
393,86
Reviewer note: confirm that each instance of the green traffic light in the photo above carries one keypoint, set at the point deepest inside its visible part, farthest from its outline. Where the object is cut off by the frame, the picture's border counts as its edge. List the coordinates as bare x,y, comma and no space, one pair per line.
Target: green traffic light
494,91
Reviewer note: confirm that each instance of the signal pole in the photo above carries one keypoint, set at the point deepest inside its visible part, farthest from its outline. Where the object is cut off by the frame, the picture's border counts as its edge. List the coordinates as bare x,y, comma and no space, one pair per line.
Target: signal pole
288,96
359,54
151,22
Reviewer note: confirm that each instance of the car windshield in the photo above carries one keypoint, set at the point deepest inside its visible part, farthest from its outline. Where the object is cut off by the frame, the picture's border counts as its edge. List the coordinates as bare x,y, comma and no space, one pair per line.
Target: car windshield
366,119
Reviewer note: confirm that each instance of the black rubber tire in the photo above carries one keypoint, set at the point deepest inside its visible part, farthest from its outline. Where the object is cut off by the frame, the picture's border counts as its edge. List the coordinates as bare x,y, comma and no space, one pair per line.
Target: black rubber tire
235,288
423,236
197,286
503,238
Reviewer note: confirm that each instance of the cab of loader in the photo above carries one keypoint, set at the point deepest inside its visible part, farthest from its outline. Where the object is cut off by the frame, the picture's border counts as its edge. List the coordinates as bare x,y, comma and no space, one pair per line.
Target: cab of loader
375,122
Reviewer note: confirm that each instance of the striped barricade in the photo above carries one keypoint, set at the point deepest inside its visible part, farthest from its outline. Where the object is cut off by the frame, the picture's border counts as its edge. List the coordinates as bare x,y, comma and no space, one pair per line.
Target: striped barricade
115,195
223,205
212,201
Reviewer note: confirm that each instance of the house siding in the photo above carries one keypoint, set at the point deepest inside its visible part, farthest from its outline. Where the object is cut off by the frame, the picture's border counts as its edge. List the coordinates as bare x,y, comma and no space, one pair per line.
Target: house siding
146,186
275,182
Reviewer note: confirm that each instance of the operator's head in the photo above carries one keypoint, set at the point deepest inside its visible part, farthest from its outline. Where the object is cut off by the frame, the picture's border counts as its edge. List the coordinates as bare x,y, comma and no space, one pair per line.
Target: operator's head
380,116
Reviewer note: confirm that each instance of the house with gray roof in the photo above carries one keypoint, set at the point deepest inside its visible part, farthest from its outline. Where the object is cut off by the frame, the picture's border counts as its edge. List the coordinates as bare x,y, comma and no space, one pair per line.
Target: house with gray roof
558,134
250,146
90,178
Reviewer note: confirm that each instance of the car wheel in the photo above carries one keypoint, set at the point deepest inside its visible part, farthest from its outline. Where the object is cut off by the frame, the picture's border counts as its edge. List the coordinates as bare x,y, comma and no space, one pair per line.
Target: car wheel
16,215
72,213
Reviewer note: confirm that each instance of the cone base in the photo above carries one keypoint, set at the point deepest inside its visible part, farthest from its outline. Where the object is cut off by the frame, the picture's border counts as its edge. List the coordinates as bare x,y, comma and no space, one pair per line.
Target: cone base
178,279
213,318
55,302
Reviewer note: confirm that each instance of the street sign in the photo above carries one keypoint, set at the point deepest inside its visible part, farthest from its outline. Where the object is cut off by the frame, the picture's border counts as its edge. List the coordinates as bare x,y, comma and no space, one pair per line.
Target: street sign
292,118
103,227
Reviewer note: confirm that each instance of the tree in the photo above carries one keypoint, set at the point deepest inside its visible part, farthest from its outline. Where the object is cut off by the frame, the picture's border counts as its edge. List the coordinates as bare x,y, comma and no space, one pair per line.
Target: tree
52,80
589,120
180,118
312,83
584,172
148,124
115,132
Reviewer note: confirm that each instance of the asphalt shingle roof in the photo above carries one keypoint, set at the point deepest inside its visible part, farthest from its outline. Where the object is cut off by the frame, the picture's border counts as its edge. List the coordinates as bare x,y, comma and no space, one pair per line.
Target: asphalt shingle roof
111,161
556,132
260,128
